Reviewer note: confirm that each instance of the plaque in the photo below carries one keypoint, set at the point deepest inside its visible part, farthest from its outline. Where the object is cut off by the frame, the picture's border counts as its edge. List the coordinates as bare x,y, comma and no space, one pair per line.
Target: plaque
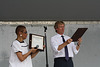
79,33
36,41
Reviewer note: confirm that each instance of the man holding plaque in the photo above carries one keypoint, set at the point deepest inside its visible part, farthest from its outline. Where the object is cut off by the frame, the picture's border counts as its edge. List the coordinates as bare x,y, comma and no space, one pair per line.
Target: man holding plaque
20,54
63,47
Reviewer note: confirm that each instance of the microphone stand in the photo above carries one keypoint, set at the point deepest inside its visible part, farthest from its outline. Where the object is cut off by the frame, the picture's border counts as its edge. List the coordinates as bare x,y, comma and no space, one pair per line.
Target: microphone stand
45,28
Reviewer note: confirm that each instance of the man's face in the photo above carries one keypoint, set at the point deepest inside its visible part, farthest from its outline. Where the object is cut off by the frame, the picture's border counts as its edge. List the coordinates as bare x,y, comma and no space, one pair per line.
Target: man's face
60,29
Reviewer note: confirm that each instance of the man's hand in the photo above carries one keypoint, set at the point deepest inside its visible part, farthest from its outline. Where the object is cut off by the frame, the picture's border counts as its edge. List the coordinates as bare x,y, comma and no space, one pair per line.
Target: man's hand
69,41
79,41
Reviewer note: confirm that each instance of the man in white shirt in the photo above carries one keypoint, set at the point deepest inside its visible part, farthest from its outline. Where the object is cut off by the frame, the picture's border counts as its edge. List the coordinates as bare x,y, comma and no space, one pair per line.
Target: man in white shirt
63,47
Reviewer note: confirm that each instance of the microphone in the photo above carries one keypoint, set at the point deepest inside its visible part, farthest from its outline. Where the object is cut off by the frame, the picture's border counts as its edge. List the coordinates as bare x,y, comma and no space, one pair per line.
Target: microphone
36,47
45,28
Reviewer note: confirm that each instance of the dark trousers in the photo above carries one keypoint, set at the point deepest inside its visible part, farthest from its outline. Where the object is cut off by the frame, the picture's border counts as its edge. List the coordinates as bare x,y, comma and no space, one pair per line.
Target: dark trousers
61,62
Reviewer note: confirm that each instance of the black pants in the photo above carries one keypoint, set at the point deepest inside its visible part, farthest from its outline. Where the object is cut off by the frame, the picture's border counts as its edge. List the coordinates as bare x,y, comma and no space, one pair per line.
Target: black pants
61,62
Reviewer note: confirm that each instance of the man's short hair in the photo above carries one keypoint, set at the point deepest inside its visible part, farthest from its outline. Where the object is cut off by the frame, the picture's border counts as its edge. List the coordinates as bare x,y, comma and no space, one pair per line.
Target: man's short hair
57,23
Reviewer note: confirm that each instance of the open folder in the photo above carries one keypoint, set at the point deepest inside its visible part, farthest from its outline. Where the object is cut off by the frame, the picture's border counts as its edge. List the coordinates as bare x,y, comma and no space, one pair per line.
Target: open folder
79,33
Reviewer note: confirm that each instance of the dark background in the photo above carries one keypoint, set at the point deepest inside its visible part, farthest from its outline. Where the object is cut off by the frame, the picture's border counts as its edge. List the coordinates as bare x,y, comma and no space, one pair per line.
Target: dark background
49,9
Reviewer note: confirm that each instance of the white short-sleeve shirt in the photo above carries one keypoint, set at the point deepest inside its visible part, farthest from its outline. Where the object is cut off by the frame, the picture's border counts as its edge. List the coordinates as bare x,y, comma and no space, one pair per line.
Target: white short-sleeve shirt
14,61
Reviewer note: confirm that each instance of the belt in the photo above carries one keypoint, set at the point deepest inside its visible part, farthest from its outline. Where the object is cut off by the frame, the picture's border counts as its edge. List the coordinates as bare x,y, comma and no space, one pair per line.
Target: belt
63,58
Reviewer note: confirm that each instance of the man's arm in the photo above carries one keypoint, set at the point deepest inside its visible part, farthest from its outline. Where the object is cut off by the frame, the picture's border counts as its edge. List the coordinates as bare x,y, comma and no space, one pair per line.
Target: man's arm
64,44
78,44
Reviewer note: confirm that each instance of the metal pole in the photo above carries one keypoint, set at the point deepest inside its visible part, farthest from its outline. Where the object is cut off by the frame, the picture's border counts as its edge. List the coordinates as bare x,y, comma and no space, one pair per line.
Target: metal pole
45,28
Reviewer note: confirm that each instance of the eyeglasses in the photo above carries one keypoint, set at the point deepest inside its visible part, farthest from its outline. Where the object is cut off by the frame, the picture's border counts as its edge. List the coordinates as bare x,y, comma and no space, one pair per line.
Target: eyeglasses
25,32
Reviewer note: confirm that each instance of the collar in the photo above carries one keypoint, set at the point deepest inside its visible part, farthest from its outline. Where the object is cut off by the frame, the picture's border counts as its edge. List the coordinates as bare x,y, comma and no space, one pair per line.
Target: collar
60,35
21,42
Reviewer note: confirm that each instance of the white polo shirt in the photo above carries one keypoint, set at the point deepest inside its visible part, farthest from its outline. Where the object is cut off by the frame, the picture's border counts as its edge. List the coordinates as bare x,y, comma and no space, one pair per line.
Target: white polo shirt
14,61
56,41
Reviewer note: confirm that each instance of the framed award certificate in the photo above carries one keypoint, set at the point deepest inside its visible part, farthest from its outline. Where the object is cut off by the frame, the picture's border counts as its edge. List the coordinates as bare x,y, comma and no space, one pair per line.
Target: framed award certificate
36,41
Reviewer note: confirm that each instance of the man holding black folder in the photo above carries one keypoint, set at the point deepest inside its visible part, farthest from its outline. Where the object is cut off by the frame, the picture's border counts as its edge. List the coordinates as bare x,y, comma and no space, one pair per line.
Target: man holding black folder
63,47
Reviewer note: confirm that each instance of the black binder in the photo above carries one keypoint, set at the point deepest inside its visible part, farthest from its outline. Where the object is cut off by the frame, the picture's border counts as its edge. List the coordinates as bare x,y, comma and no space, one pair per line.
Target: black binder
79,33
